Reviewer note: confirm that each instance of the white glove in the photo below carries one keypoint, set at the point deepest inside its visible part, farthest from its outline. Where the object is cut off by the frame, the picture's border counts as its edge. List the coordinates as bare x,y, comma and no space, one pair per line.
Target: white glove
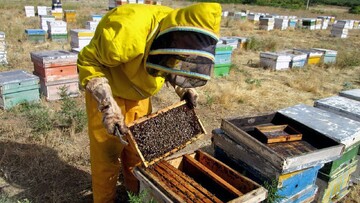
188,94
113,120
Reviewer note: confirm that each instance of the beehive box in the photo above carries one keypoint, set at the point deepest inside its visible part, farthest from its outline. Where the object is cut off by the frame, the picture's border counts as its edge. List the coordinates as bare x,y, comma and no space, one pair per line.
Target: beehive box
56,73
267,24
223,54
275,61
29,11
246,160
221,70
52,90
53,58
43,21
298,59
80,37
16,87
192,177
70,16
334,188
292,23
281,23
305,196
340,105
308,23
328,57
313,57
41,10
351,94
35,35
279,158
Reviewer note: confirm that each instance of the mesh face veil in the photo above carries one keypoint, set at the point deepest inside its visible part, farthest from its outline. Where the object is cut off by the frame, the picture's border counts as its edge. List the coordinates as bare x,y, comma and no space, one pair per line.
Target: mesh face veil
184,58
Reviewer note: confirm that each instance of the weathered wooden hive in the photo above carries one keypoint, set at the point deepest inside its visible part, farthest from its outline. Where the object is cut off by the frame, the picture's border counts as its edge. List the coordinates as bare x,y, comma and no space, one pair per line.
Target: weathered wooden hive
57,69
190,177
333,178
35,35
16,87
295,164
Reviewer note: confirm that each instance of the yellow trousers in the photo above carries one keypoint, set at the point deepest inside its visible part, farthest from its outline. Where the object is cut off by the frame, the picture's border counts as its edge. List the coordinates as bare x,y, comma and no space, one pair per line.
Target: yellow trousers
107,154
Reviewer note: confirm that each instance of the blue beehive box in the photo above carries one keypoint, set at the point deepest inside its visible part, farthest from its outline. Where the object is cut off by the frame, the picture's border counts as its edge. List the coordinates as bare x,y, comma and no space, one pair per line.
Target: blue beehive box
35,35
17,87
223,54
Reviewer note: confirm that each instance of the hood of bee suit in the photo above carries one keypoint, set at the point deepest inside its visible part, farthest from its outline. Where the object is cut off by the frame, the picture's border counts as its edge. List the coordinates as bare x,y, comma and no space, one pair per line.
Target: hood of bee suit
188,37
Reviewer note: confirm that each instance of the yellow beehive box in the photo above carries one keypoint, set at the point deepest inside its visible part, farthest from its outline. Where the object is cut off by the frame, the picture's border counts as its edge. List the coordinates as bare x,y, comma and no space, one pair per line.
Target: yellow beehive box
70,16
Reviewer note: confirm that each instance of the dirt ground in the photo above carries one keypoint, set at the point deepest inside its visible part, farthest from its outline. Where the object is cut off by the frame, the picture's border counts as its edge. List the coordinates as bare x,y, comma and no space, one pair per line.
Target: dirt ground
55,166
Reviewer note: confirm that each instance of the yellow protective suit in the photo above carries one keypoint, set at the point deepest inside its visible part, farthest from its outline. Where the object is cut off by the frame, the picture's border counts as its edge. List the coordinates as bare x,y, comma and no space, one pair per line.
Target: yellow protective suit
118,51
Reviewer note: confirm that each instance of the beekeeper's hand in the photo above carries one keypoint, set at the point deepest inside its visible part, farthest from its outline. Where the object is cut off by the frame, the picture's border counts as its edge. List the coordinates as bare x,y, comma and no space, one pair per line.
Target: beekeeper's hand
113,120
188,94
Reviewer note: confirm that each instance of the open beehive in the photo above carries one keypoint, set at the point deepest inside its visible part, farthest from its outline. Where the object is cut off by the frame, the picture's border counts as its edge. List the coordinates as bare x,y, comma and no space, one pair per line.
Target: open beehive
193,177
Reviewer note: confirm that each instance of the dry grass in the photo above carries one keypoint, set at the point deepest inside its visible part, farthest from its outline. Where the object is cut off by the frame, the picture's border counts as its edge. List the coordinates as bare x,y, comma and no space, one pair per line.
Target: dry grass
54,167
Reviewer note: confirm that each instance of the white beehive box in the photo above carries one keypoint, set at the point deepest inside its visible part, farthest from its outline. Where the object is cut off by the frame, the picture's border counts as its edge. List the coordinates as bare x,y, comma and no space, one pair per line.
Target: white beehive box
42,10
91,25
57,27
29,11
276,61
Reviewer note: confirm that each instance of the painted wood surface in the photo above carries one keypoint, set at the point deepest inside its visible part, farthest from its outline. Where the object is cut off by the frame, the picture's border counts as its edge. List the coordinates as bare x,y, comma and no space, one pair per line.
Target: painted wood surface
340,105
250,191
8,101
313,149
246,161
56,73
351,94
16,81
54,58
346,159
52,90
355,177
341,129
331,188
305,196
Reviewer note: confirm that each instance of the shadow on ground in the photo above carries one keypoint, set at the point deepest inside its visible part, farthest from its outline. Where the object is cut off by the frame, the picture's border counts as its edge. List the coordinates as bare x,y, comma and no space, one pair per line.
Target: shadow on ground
41,176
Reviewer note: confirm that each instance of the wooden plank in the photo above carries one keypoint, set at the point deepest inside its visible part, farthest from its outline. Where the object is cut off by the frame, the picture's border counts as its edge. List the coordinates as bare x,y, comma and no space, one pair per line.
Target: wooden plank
178,183
231,176
292,148
278,133
213,176
192,183
351,94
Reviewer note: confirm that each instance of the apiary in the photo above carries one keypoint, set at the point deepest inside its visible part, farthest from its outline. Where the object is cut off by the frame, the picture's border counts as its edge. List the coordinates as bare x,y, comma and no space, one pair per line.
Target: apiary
29,11
80,37
191,177
56,69
70,16
267,24
35,35
328,56
351,94
16,87
281,23
313,57
223,54
298,59
275,61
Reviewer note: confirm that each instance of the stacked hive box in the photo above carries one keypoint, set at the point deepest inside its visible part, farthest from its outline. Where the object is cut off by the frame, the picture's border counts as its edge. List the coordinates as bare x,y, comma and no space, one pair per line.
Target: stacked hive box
222,60
275,147
187,176
80,37
57,10
328,56
18,87
35,35
267,24
3,59
56,69
325,21
333,178
230,41
340,29
91,25
318,23
43,21
29,11
42,10
96,17
309,23
313,56
275,61
298,59
240,16
70,16
292,23
254,17
281,23
57,30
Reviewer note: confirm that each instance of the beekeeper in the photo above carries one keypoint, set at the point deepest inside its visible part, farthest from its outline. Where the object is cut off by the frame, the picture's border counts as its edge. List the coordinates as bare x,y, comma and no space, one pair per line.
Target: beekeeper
135,49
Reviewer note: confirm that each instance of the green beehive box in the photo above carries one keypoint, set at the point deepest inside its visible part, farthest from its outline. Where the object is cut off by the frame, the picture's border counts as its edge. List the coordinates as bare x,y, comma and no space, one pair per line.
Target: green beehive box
17,87
59,37
347,158
221,70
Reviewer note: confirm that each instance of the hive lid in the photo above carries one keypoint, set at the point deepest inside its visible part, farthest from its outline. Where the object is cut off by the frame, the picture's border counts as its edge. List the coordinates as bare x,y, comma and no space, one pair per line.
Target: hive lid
165,132
16,77
54,55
